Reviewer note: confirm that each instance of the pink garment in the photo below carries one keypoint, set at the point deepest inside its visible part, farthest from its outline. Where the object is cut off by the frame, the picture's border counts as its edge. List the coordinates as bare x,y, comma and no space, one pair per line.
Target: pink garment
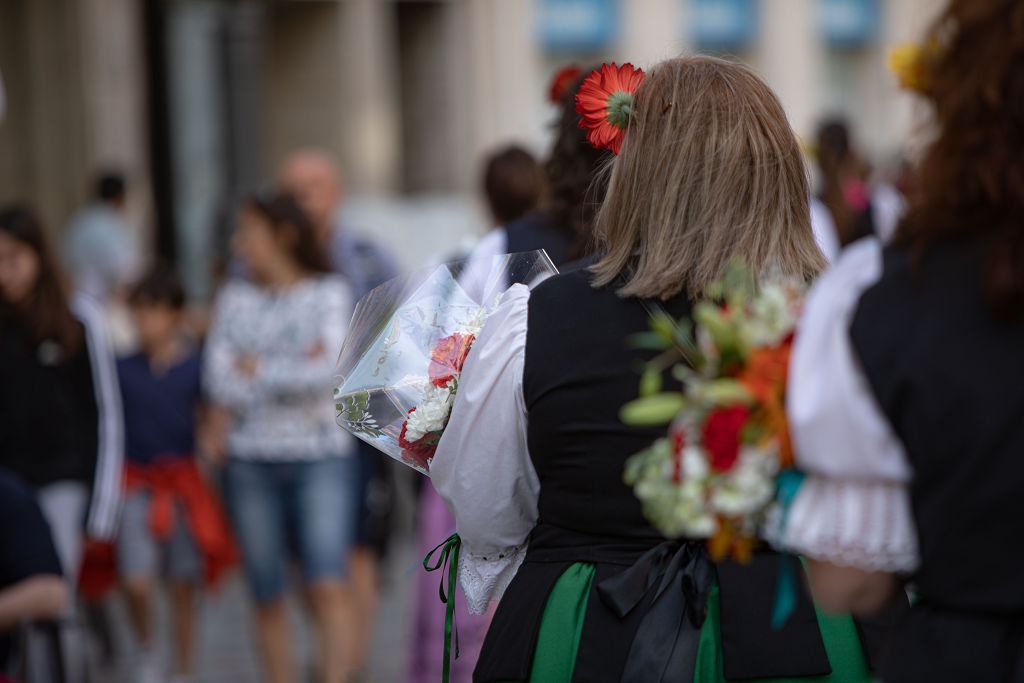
425,662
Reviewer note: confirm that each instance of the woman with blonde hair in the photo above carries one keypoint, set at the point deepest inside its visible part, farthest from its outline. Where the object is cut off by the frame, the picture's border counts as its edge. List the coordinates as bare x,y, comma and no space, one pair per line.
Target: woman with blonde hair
708,170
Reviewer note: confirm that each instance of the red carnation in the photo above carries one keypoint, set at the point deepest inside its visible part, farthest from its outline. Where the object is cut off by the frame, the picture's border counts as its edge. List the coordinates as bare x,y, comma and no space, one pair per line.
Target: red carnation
722,436
678,445
448,357
418,453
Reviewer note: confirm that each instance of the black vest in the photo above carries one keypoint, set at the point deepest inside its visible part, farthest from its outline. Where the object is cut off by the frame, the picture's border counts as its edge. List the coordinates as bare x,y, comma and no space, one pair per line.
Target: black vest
534,231
579,371
950,379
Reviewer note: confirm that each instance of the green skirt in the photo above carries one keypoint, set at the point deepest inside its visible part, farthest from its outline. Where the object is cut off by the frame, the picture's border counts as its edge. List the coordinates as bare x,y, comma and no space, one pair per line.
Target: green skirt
562,625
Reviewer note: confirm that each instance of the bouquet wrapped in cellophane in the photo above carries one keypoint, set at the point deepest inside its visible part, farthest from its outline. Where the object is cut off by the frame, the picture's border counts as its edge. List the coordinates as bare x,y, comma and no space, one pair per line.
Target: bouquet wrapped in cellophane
727,453
400,364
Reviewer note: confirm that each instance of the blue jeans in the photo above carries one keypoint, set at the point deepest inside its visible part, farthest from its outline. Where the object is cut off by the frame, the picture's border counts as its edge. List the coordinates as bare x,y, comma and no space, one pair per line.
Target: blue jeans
278,509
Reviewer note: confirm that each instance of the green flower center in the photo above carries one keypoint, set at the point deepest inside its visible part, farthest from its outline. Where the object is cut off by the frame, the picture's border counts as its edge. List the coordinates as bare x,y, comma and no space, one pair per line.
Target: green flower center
620,105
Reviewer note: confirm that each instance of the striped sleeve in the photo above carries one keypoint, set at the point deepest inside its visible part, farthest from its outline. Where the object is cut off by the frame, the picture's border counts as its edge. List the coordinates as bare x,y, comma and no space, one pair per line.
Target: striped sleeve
106,494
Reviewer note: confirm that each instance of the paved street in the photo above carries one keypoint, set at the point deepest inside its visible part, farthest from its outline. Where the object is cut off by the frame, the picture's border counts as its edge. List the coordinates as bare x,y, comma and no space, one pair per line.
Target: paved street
226,650
226,647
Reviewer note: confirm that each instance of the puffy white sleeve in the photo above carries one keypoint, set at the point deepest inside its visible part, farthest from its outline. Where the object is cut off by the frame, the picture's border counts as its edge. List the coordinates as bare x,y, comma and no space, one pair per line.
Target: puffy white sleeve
482,467
854,507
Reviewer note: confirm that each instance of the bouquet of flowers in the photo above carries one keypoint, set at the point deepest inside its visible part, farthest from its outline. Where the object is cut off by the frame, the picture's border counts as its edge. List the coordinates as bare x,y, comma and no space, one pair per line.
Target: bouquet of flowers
716,472
407,343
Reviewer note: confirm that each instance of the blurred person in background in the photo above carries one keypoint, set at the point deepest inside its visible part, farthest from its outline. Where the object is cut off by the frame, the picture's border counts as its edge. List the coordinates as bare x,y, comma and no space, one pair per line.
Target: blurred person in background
316,182
172,523
575,188
848,205
32,587
62,426
289,471
62,429
513,185
100,251
102,254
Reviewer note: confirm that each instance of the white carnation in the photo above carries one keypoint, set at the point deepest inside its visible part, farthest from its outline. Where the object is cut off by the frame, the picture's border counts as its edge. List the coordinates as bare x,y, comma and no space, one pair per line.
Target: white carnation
431,414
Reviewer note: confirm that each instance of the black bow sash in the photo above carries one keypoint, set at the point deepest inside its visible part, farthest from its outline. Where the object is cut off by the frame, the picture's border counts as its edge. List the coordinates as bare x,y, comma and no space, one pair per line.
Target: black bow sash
675,579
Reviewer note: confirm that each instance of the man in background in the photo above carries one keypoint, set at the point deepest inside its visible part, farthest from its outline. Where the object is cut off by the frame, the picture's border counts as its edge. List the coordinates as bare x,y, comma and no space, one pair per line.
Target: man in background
315,180
100,251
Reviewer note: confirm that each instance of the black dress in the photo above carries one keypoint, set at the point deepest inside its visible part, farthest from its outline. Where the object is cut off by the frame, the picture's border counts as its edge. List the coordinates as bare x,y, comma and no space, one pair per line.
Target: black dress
949,377
578,372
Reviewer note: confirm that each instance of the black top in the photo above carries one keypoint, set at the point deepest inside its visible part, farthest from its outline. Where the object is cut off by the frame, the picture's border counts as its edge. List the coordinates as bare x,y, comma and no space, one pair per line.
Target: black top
535,231
579,371
26,548
950,378
160,407
49,430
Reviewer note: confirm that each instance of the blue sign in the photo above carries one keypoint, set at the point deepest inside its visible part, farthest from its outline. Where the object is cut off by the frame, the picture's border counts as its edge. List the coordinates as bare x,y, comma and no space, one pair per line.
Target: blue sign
723,24
577,25
848,23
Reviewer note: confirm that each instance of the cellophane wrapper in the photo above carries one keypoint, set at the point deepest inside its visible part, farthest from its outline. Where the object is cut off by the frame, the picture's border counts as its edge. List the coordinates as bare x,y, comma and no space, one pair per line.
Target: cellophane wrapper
406,345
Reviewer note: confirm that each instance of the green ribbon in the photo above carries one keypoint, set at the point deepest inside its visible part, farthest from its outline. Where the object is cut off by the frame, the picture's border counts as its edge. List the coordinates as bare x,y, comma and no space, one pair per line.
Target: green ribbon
788,484
448,562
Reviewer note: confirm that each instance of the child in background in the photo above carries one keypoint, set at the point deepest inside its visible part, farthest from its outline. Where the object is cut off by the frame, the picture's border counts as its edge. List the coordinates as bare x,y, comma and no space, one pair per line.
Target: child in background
172,523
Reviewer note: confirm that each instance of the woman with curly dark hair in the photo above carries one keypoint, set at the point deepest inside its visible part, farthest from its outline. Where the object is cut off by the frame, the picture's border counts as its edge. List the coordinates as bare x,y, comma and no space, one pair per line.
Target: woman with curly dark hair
905,392
563,224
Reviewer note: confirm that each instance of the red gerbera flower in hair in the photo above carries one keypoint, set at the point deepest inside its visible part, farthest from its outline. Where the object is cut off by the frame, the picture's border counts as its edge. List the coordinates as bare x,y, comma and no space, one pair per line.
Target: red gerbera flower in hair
605,102
565,77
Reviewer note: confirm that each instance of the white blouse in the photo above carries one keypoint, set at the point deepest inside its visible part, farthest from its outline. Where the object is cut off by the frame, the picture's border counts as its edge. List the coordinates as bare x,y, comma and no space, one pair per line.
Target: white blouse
282,411
854,507
482,467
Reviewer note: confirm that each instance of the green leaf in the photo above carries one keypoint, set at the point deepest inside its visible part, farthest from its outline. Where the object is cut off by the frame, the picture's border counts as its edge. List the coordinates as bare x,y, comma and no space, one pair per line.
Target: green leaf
650,381
724,392
654,410
664,326
649,341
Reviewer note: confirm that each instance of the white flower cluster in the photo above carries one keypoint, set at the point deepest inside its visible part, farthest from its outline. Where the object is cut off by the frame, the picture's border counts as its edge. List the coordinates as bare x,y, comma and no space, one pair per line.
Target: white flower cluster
691,506
772,314
432,412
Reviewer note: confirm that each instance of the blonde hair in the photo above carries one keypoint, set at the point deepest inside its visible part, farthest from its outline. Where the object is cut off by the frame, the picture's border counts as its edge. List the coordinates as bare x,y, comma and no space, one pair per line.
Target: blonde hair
710,171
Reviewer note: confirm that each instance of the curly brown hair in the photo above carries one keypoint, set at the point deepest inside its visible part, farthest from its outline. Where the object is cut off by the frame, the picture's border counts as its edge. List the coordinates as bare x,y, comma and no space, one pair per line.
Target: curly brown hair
574,171
972,175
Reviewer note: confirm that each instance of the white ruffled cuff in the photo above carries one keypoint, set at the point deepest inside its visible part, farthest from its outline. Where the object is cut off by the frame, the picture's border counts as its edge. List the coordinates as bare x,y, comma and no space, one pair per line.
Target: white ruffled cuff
862,524
484,578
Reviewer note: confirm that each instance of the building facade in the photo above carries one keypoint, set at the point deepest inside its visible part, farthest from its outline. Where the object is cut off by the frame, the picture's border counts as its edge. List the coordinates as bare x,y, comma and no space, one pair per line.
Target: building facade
198,100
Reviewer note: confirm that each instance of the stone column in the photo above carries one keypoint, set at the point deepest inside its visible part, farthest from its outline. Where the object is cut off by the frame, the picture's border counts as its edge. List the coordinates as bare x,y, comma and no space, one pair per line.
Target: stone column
789,56
654,30
368,113
112,63
506,89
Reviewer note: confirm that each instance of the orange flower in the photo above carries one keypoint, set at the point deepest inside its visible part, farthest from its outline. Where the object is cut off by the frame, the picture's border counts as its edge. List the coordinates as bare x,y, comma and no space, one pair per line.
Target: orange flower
605,101
561,82
764,376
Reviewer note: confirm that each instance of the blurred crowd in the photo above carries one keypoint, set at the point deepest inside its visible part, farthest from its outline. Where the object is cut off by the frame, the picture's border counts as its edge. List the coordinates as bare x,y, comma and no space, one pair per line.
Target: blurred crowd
152,446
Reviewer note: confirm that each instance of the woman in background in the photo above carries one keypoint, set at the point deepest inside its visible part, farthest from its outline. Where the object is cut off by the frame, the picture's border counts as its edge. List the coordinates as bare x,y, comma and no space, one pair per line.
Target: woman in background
905,397
562,225
289,469
61,429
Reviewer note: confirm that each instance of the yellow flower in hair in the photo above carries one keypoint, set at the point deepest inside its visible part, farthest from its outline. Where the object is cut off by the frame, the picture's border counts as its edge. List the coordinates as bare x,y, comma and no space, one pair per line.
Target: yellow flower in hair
907,62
